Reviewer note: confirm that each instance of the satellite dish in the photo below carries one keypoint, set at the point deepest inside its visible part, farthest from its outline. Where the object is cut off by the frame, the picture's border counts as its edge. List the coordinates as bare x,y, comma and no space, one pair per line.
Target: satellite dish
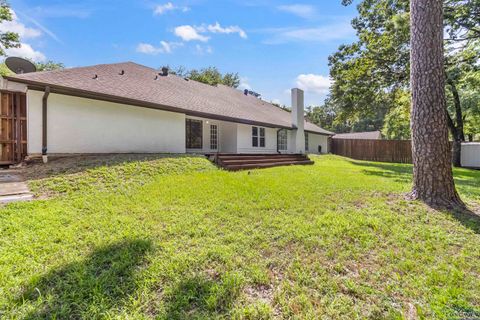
19,65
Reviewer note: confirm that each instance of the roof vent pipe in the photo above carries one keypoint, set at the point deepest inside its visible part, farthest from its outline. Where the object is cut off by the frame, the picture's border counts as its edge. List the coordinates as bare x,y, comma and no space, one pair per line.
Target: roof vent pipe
164,71
122,72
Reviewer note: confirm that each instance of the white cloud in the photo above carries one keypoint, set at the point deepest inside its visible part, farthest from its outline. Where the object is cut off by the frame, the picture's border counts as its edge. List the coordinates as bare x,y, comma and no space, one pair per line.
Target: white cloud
200,50
189,33
62,10
301,10
244,84
16,26
165,47
314,83
26,51
163,8
217,28
337,31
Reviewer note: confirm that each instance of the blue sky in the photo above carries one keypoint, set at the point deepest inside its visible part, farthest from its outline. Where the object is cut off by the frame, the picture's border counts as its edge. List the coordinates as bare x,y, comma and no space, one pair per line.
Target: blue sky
273,45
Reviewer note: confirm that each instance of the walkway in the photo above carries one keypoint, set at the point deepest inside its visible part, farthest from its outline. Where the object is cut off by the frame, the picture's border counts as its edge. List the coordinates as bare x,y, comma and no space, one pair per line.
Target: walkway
13,187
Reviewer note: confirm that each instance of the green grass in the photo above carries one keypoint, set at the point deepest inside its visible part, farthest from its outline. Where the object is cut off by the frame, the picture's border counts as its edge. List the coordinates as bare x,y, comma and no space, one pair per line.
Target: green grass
176,238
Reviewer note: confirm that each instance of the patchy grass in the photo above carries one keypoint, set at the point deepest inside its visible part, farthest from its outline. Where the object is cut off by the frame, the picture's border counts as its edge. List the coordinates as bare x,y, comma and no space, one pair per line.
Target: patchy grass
176,238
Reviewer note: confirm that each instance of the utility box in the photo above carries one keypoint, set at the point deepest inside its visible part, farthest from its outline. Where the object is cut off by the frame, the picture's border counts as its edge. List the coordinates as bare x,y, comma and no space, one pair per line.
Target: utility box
471,155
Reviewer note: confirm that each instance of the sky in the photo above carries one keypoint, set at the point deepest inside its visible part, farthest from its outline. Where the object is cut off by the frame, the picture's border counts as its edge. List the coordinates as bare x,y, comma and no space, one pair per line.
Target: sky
273,45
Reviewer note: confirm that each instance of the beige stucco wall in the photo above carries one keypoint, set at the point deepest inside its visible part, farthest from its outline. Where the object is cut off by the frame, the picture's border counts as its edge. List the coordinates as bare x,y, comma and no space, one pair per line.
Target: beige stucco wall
228,137
244,140
315,140
471,155
79,125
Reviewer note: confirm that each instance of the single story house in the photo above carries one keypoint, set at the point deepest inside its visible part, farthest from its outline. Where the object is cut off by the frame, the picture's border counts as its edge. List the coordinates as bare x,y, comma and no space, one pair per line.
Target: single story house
130,108
371,135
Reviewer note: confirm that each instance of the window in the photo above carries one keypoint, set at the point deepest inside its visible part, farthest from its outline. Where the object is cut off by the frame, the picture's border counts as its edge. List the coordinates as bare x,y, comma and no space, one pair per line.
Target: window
213,137
254,136
258,137
194,134
282,140
306,141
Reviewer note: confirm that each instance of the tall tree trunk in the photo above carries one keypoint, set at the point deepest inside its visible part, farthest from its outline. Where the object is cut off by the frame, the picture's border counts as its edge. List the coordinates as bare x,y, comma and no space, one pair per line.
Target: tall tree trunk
456,128
432,163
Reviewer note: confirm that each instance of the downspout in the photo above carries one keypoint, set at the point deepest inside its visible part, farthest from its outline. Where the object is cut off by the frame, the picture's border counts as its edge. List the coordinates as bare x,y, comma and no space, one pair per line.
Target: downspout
44,124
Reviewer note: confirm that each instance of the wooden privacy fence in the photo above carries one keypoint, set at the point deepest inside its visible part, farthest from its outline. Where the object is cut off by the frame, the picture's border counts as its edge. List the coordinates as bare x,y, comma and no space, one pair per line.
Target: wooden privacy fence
374,150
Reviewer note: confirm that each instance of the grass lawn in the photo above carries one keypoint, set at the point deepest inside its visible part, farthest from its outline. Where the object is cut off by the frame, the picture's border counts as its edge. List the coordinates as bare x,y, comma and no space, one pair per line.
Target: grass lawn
176,238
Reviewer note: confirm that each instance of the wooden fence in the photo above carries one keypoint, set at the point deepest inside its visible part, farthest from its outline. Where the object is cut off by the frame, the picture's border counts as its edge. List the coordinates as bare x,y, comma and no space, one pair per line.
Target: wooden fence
374,150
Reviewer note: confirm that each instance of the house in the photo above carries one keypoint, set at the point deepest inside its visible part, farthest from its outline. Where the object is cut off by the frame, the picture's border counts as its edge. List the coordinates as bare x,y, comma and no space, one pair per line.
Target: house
130,108
372,135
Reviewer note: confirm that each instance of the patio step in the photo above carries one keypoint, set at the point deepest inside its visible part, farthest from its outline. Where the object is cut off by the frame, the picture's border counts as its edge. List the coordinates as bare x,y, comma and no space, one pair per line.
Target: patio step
235,162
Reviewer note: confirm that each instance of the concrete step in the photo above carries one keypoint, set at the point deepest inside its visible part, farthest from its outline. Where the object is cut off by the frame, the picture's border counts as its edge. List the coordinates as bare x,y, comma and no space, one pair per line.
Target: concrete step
16,197
266,165
263,160
253,157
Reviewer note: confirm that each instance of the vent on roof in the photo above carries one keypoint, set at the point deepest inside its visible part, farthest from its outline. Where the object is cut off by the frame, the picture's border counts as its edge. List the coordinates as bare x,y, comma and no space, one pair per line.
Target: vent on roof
95,77
122,72
164,71
156,77
252,93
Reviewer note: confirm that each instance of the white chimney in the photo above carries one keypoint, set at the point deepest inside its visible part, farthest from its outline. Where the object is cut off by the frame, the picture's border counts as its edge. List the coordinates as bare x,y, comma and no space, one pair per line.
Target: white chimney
298,121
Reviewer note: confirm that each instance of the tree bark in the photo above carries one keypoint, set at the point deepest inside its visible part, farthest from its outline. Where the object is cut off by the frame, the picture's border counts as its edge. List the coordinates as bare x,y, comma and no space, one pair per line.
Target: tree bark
432,156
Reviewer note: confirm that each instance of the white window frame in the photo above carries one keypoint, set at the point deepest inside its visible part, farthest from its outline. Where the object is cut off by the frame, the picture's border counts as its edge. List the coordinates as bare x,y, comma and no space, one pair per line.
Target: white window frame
213,137
257,138
283,140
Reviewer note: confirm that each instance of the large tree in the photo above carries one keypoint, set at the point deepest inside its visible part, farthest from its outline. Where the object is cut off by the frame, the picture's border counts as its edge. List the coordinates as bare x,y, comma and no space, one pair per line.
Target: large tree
371,76
210,75
432,174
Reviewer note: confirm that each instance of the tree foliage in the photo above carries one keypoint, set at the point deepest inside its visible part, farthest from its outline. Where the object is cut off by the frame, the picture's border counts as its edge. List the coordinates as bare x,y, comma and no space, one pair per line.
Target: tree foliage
209,75
371,75
49,66
41,66
8,39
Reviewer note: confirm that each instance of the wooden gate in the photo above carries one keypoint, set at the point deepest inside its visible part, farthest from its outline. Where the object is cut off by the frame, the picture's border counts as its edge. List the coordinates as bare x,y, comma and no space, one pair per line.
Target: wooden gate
13,127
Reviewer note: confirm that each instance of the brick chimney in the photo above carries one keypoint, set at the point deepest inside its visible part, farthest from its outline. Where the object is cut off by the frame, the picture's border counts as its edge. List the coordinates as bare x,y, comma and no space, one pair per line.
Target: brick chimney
298,121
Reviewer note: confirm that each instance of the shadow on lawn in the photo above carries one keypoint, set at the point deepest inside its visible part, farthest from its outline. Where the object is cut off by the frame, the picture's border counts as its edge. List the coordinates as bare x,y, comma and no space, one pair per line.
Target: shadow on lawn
101,282
465,180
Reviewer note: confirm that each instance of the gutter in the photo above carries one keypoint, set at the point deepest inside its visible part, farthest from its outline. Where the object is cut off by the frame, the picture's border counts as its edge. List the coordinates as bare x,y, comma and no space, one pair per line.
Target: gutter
44,123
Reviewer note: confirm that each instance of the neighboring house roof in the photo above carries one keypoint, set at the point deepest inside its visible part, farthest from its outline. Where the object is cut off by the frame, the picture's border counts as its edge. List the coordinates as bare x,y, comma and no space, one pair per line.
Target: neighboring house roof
143,86
372,135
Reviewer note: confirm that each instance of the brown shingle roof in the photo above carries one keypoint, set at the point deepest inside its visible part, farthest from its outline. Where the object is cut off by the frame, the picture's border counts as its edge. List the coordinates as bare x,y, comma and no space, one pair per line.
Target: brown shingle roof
138,86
